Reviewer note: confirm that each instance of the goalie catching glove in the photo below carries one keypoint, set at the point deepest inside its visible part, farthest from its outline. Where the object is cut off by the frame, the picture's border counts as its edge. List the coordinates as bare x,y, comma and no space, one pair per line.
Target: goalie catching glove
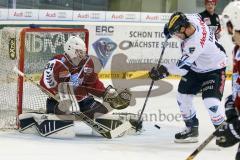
117,99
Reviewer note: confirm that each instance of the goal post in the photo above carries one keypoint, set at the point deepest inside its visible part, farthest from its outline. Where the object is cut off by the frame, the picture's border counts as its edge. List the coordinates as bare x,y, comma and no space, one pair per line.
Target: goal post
29,49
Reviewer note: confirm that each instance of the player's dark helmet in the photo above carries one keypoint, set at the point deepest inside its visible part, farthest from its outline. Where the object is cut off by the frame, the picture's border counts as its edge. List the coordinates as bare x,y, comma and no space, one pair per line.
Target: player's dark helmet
177,20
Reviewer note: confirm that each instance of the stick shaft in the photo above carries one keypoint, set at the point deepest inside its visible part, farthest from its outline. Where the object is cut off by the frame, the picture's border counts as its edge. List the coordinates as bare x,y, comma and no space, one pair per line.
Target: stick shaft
151,85
35,83
203,144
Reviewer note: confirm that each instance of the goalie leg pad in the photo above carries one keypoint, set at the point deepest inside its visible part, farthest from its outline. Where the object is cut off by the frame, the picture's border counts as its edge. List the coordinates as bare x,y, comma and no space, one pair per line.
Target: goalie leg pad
112,121
27,123
52,107
92,108
52,126
47,125
56,129
109,121
133,119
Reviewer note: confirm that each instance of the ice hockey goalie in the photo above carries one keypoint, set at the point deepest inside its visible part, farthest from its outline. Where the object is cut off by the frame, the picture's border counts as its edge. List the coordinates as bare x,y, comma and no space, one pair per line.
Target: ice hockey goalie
71,79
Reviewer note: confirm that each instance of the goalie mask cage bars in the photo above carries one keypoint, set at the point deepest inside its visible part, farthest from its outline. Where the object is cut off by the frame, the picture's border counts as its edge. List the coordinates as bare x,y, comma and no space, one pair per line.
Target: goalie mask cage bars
29,49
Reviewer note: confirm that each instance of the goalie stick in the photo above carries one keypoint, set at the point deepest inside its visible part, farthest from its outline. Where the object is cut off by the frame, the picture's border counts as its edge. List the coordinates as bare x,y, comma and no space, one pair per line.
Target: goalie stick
151,85
203,144
99,128
80,72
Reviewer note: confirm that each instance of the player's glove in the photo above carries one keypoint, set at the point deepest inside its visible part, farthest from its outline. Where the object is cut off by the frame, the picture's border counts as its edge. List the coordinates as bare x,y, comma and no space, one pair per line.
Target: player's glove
111,92
228,134
117,99
230,110
158,73
166,31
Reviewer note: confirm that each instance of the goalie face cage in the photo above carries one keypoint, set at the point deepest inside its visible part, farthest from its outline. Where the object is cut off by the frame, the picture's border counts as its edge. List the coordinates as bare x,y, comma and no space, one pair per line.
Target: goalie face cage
29,49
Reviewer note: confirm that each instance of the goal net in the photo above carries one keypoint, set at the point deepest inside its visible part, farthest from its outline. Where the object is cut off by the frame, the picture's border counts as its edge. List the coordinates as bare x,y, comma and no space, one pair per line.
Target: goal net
29,49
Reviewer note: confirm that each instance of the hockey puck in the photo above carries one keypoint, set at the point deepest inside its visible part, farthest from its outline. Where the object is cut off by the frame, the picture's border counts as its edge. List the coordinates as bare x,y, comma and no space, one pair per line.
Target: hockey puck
157,126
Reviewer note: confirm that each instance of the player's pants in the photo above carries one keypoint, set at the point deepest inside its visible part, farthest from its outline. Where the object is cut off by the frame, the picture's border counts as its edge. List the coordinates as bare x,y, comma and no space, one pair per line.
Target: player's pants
212,86
89,106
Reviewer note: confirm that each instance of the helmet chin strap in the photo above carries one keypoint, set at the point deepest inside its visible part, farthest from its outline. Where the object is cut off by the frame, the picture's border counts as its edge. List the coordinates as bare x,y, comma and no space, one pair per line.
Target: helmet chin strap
186,36
184,32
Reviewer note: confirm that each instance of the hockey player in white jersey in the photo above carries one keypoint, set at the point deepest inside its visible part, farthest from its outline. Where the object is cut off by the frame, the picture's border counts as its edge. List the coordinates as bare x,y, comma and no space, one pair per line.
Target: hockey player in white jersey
202,67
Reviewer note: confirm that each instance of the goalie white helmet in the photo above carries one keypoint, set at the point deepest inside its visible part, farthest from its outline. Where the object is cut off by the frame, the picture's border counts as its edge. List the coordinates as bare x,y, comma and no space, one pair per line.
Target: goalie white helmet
75,49
232,13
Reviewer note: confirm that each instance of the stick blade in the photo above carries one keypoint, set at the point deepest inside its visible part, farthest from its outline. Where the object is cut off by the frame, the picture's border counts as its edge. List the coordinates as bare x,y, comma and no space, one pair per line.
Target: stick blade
120,129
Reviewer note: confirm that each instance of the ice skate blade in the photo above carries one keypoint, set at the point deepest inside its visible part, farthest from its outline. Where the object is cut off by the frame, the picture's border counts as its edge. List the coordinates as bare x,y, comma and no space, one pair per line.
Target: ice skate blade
187,140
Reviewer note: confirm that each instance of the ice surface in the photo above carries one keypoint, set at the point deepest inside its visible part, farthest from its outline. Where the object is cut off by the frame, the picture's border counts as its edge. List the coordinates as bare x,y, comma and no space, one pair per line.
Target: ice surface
152,144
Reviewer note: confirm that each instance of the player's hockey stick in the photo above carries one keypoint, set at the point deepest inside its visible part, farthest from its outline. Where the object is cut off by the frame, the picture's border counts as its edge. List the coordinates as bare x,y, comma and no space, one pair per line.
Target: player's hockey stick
16,70
101,129
203,144
151,85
